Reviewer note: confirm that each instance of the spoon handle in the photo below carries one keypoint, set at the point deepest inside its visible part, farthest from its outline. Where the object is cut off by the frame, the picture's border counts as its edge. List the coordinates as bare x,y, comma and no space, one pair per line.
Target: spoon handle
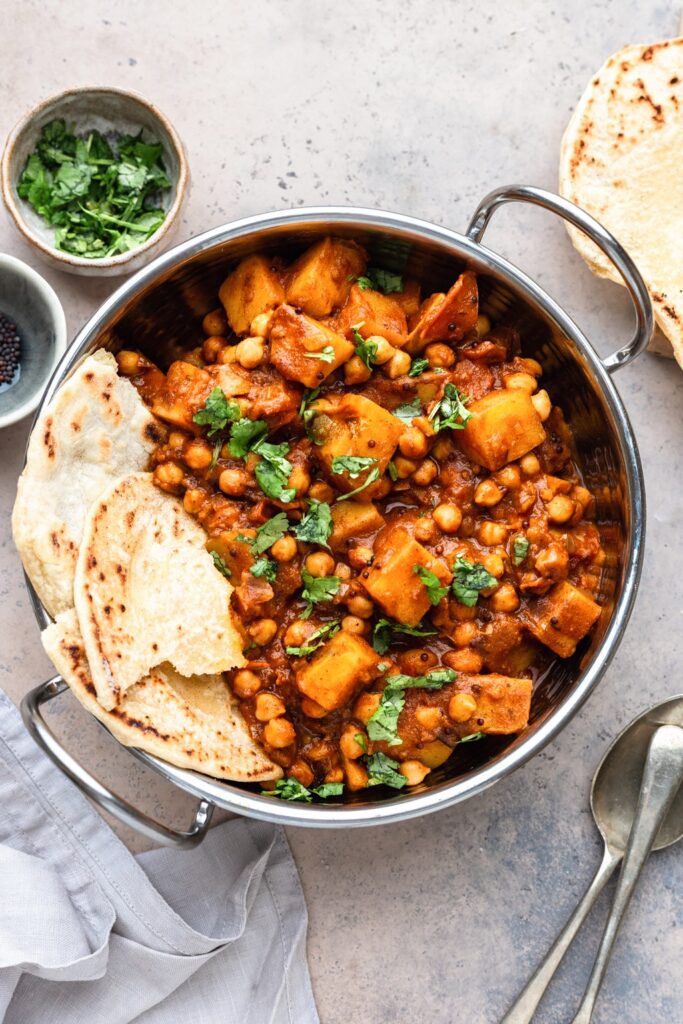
525,1005
662,778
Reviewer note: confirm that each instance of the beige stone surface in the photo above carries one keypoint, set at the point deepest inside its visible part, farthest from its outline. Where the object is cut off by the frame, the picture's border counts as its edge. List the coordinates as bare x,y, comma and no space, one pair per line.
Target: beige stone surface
420,107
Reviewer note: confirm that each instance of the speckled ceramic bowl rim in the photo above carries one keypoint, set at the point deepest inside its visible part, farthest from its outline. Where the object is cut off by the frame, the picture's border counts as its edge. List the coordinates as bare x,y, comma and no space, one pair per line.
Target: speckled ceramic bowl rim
49,296
13,203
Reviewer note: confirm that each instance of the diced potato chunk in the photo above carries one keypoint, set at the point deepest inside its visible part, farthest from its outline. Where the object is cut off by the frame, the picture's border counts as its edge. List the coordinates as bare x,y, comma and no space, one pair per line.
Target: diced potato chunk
409,298
504,426
253,287
236,554
297,342
434,753
186,390
562,618
318,281
355,425
337,670
376,313
448,319
353,519
391,580
503,702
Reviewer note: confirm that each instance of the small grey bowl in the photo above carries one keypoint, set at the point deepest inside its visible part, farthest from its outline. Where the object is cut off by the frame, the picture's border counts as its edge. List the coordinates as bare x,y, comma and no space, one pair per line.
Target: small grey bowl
28,300
106,109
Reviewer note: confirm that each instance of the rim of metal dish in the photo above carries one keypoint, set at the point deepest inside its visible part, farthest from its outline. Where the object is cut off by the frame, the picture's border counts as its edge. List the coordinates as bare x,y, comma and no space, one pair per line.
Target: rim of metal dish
399,808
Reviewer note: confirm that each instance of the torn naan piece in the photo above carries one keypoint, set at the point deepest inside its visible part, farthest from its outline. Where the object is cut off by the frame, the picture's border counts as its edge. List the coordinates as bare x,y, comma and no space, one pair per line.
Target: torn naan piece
95,429
147,591
192,723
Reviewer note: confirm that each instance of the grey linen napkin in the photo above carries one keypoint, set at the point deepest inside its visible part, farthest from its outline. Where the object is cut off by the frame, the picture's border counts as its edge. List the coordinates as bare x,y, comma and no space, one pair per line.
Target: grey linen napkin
90,934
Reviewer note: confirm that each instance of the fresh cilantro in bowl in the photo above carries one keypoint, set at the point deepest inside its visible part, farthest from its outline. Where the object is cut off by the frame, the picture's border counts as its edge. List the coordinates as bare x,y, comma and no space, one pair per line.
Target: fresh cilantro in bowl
101,194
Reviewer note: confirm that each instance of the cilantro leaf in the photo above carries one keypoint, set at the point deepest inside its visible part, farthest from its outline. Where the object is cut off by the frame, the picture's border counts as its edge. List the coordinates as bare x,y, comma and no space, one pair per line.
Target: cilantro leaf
267,534
360,740
433,680
383,725
472,737
354,465
520,549
273,471
217,412
384,630
370,479
366,349
315,640
316,525
364,282
433,585
273,482
408,411
382,770
264,567
220,564
290,789
244,434
469,578
380,280
326,354
317,589
417,366
310,395
392,471
450,411
328,789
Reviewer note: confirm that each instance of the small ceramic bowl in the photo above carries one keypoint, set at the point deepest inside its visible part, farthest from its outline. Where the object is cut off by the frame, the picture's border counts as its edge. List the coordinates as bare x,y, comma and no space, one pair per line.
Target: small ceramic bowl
106,110
28,300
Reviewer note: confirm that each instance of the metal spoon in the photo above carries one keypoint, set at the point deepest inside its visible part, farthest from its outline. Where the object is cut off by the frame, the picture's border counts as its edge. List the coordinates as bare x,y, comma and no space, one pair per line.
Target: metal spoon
618,802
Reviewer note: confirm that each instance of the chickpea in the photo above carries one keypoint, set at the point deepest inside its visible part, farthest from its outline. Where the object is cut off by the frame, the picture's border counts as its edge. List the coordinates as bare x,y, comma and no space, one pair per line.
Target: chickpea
300,480
360,606
251,353
417,661
258,327
427,472
582,495
227,355
465,660
198,455
279,733
461,707
505,598
321,491
525,498
552,561
490,533
560,509
365,706
128,362
268,706
335,775
356,372
424,424
384,350
483,325
284,549
302,772
413,771
176,439
439,355
404,467
246,683
530,465
215,322
509,477
311,709
262,631
520,382
233,482
398,365
211,347
352,624
361,556
542,404
429,718
464,634
425,530
349,745
343,571
356,775
447,517
193,499
494,564
461,613
168,476
413,444
443,449
320,563
298,633
488,493
532,366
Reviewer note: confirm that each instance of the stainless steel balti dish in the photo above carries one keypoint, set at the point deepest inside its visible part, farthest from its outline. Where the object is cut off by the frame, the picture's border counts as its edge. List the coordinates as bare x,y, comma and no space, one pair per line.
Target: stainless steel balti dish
160,307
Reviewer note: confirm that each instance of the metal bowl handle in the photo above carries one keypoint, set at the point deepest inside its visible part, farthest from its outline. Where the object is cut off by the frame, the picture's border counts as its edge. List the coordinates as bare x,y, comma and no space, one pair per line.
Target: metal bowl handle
35,723
598,234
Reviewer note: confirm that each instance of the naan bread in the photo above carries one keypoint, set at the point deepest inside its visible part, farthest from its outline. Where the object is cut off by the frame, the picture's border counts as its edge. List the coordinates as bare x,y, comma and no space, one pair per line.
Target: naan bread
147,591
620,160
193,723
95,429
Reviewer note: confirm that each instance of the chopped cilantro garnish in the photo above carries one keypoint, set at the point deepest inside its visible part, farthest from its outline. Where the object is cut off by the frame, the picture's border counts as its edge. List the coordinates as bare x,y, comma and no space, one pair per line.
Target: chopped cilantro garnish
384,630
366,349
450,411
472,737
380,280
317,588
408,411
370,479
354,465
360,740
310,395
469,578
266,568
417,366
520,549
316,525
326,354
267,534
315,640
392,471
217,412
244,434
328,789
220,564
382,770
433,585
292,789
383,724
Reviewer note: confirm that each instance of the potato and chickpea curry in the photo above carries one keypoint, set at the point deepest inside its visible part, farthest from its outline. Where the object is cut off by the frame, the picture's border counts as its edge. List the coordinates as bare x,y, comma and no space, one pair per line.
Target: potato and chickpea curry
392,497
